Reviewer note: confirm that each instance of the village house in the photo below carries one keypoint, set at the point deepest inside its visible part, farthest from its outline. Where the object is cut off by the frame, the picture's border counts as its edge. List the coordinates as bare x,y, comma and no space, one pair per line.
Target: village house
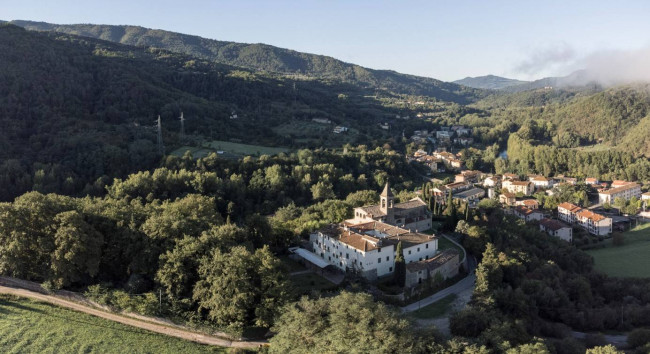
594,223
468,176
541,182
413,214
470,196
443,135
527,214
446,264
591,181
369,248
528,203
508,199
491,181
460,130
645,196
510,176
557,228
339,129
524,187
569,180
625,191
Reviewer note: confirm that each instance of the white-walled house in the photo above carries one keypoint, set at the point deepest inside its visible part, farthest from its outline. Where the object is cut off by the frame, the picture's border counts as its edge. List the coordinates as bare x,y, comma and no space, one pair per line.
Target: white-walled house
594,223
625,191
541,182
527,214
556,228
567,212
524,187
369,248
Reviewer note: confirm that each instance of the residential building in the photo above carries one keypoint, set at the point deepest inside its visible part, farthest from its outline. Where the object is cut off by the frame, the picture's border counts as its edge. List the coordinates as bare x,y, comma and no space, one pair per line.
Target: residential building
468,176
619,183
528,203
591,181
567,212
541,182
596,224
321,120
625,191
470,196
491,181
510,176
524,187
508,199
339,129
369,248
645,196
527,214
443,135
445,263
557,228
413,214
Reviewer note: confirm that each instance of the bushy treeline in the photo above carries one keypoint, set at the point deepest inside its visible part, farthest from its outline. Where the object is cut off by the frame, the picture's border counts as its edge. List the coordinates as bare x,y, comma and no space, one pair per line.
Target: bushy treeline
531,285
609,164
194,229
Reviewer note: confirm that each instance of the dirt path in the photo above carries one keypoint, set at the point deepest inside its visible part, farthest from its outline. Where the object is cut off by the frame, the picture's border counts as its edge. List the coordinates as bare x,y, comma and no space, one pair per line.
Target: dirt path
153,327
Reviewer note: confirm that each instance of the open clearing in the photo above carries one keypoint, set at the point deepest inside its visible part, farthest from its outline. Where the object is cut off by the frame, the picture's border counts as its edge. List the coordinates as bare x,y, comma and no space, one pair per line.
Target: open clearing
437,309
229,149
27,326
630,260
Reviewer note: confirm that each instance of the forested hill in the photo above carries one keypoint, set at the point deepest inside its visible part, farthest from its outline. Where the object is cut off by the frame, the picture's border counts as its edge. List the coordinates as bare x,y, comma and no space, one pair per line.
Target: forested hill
490,82
74,109
268,58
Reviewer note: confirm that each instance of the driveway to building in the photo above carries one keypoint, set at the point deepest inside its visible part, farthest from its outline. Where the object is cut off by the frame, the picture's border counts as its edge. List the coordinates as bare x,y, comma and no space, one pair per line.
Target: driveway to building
10,286
463,285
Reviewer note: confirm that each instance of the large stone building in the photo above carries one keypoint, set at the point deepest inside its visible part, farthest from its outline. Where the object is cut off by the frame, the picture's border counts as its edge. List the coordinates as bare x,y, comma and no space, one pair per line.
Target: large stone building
369,248
446,264
413,214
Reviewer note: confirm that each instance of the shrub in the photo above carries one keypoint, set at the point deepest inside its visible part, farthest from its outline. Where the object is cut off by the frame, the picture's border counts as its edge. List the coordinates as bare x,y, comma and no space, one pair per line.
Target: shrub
638,337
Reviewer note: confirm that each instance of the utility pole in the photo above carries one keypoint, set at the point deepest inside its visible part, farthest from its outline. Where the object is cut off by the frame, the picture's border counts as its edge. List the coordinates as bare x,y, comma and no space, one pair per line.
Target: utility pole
161,147
160,301
182,127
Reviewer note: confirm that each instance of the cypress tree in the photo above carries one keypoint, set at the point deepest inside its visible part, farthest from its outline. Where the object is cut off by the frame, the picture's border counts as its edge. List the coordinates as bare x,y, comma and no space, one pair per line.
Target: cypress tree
400,266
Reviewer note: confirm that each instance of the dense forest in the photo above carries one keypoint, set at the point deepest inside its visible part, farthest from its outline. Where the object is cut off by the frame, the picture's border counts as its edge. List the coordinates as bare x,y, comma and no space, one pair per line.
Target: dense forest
264,57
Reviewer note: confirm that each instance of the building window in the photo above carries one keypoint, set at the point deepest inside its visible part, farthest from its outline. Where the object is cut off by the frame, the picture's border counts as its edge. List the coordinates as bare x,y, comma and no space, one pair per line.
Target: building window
418,249
390,269
387,258
378,260
347,256
426,246
409,251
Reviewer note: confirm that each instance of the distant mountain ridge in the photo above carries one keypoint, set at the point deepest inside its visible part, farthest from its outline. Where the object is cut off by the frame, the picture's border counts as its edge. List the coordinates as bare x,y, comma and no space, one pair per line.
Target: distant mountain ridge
267,58
577,79
489,82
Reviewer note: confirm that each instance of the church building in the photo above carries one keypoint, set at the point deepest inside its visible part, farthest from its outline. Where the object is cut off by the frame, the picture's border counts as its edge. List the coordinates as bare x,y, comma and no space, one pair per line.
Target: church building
412,215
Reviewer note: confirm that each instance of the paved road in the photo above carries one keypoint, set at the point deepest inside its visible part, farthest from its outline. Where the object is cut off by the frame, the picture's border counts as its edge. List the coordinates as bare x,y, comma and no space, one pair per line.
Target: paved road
463,285
153,327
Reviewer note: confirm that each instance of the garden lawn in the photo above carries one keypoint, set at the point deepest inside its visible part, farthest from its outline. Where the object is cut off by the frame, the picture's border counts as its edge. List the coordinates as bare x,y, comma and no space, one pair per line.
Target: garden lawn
436,309
630,260
28,326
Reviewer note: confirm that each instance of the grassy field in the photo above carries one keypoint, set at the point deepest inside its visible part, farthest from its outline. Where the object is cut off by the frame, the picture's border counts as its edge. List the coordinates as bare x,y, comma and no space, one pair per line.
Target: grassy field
436,309
630,260
303,284
229,149
27,326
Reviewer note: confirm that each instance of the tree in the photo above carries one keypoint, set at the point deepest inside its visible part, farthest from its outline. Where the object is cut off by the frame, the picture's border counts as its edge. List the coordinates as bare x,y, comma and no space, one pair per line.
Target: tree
78,250
322,190
400,266
608,349
347,322
238,288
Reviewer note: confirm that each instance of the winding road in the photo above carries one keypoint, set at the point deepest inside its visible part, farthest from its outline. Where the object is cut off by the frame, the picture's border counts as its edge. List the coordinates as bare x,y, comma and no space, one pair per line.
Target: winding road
134,322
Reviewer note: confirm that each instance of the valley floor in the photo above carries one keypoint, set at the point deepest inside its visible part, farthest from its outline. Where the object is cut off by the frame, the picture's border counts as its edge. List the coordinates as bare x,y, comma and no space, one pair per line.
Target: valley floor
629,260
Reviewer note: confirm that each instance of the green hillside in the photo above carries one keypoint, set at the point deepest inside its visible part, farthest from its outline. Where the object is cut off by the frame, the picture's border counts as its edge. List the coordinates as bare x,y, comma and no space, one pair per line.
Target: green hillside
267,58
490,82
75,109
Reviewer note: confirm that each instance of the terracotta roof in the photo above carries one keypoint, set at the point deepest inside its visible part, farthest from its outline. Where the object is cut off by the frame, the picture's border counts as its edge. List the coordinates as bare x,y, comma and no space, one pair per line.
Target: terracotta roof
590,179
374,210
394,234
552,224
646,193
525,211
361,242
434,262
539,179
621,189
411,204
456,184
530,202
590,215
570,207
520,183
509,195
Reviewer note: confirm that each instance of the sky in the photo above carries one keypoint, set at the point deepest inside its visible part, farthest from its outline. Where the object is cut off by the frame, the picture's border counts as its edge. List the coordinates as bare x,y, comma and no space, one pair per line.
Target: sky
447,40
